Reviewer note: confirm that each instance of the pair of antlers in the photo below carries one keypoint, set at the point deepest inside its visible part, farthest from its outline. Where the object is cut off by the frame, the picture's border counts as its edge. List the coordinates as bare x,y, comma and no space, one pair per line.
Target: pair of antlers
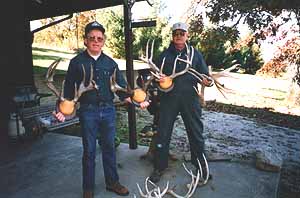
196,180
65,106
167,84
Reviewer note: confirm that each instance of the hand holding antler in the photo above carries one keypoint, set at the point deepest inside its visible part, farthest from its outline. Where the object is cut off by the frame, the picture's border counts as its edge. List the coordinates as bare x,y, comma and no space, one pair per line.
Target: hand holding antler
166,82
137,95
65,106
220,87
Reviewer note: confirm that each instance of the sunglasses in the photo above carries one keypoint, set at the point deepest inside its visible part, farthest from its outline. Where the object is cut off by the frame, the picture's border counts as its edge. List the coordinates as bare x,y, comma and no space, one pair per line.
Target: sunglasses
94,39
178,34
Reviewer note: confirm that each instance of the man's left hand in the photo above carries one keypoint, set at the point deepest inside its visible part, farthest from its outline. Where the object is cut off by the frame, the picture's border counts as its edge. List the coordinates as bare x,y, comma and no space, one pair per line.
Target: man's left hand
208,82
142,105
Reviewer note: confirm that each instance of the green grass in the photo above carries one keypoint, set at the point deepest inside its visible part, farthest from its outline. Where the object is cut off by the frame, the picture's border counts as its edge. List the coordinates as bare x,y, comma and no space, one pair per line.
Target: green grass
43,70
49,50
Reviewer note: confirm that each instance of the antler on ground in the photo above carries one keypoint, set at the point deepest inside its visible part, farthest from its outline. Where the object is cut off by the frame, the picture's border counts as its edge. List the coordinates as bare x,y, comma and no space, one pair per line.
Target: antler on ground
196,180
154,192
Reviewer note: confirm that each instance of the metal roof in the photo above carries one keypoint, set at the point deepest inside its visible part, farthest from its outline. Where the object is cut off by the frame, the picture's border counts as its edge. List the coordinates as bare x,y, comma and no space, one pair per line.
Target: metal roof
39,9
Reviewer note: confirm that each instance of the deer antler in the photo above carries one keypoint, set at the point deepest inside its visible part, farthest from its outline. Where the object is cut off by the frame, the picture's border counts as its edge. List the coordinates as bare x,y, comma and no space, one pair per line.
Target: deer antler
155,192
67,107
167,84
195,179
82,88
137,95
49,77
220,87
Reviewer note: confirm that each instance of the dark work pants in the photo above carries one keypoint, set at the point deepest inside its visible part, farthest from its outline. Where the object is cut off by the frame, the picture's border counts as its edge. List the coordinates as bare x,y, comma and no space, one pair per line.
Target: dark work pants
190,111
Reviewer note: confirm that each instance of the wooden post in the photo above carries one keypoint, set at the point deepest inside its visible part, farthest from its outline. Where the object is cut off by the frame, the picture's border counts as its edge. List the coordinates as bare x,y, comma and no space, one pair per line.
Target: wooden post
129,72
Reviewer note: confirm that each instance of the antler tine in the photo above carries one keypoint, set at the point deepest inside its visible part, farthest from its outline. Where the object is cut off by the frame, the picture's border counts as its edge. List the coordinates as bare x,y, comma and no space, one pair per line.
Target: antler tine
155,192
114,85
51,70
194,182
92,77
207,170
232,67
191,187
150,60
152,50
165,190
189,55
63,90
186,69
147,83
146,185
198,75
140,191
82,88
188,61
49,77
200,94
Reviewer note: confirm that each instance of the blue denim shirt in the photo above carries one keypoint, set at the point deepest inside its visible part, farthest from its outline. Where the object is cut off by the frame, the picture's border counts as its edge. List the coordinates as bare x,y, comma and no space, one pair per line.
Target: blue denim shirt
103,68
183,85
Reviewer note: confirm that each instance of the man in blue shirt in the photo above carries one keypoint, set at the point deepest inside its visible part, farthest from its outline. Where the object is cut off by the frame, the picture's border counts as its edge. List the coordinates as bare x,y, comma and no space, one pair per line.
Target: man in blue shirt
97,112
181,99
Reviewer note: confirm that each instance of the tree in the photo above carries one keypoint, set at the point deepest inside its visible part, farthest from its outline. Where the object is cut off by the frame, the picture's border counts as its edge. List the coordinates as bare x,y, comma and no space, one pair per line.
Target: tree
65,34
213,43
261,16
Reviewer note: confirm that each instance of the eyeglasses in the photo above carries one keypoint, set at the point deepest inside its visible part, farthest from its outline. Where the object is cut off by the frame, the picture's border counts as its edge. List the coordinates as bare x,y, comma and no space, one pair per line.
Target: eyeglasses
178,34
93,38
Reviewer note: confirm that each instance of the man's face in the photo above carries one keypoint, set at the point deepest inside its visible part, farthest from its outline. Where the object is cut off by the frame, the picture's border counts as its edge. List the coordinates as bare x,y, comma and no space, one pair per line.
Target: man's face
94,41
179,37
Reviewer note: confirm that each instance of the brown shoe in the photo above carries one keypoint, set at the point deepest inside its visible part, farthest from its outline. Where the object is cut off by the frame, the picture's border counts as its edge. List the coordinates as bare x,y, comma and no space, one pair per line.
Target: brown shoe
118,189
88,194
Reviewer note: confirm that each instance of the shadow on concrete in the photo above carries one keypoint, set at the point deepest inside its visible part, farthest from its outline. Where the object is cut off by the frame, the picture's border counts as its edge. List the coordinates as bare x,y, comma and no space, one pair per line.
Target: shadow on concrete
51,167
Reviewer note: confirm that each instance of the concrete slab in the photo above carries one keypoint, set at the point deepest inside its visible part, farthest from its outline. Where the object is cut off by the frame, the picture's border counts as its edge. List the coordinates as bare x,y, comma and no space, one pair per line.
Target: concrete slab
51,167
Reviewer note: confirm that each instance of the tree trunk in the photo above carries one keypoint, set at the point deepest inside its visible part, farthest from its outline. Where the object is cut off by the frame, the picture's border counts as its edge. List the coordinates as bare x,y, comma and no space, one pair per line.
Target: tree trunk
293,97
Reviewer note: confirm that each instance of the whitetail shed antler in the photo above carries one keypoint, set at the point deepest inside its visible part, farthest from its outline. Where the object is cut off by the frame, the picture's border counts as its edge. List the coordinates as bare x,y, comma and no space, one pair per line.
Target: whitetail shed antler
167,84
220,87
196,180
137,95
67,107
154,192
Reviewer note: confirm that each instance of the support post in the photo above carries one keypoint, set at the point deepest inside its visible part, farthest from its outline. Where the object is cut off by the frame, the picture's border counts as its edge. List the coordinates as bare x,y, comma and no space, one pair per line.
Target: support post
129,71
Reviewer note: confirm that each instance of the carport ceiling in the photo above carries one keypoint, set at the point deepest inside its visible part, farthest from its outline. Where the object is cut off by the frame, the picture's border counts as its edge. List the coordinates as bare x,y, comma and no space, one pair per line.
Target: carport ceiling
39,9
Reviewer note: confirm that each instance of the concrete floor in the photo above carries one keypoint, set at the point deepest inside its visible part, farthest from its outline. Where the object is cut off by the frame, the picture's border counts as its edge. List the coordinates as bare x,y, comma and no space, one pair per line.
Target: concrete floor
51,167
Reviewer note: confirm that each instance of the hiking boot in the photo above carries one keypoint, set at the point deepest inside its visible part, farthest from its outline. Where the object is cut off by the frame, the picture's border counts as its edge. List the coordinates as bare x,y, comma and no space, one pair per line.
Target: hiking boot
118,189
155,176
88,194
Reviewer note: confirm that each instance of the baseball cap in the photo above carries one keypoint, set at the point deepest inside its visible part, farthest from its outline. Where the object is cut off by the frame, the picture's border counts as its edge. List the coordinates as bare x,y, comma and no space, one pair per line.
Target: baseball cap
180,26
93,25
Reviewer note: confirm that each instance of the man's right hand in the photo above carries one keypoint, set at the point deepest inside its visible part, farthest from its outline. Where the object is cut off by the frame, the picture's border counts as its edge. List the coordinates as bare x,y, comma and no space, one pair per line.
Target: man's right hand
59,116
162,78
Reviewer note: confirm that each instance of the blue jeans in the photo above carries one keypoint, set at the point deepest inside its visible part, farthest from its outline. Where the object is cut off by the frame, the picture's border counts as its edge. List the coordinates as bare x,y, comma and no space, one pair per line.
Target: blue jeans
98,119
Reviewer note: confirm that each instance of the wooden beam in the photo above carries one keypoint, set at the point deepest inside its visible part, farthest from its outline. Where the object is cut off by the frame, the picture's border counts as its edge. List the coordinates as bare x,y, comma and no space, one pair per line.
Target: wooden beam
130,74
150,23
41,9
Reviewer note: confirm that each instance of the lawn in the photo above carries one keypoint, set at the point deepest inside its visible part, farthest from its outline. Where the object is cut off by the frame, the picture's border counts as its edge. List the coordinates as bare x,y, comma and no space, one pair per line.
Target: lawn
252,96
